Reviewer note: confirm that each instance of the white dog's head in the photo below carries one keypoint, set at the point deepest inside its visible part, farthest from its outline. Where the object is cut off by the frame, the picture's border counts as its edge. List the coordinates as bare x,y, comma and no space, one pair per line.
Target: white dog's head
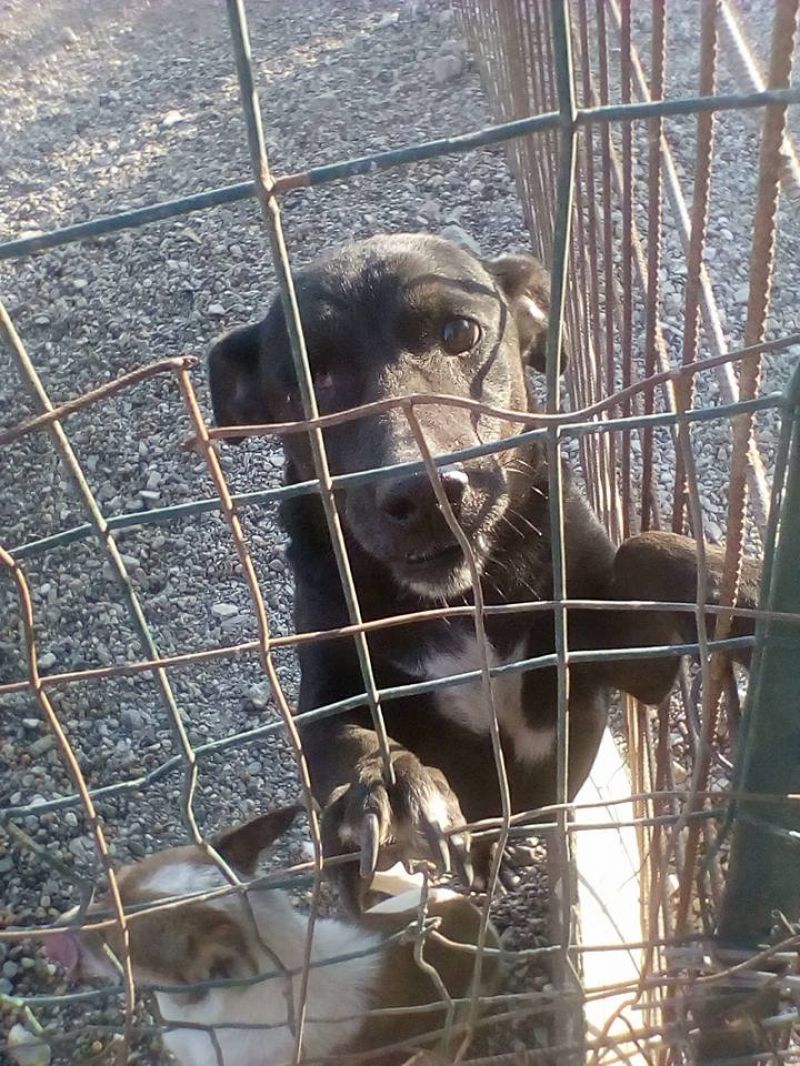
215,938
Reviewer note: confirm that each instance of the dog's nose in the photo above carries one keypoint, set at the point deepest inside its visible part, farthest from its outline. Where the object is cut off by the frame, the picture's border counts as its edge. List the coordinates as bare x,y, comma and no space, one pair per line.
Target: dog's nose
409,500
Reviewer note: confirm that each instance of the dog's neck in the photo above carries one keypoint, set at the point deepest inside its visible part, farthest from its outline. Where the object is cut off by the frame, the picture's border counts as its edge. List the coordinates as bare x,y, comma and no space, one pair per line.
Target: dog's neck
338,994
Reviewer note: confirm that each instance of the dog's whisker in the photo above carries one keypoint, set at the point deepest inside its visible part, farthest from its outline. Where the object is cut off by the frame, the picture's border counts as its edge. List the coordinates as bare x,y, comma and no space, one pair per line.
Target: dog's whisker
527,521
505,519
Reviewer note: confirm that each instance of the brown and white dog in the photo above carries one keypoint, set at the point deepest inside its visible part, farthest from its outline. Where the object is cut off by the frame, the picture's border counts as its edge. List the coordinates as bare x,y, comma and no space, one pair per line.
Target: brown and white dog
232,939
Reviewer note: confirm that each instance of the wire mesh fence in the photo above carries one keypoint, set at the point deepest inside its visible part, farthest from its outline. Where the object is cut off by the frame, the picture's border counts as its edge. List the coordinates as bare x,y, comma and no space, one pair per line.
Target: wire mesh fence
581,93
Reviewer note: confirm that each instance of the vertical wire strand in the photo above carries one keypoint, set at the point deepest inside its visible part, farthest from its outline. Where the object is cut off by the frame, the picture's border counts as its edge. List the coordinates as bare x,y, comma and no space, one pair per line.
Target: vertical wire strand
686,487
627,259
562,48
612,301
694,260
606,471
581,324
654,221
649,843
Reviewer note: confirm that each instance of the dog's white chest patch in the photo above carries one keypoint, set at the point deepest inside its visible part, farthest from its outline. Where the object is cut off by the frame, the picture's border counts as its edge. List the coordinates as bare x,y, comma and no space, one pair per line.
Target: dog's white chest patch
466,704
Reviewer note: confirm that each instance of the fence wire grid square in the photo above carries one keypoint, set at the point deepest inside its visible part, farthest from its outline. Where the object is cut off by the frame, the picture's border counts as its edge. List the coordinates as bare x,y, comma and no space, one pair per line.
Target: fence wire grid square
599,141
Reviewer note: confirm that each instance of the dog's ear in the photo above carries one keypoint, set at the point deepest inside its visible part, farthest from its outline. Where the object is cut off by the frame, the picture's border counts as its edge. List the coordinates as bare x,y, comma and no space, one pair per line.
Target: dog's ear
234,379
242,845
526,285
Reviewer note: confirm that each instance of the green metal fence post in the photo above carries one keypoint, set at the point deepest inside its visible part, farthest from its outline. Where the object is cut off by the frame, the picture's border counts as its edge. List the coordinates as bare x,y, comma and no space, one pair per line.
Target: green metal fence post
764,870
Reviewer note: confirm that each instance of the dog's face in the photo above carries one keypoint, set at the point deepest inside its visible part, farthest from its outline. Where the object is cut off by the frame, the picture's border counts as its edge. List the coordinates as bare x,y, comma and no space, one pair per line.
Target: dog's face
385,318
197,941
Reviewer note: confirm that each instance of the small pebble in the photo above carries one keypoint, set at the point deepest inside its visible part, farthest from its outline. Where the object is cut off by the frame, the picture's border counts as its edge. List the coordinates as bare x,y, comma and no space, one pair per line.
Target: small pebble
172,118
224,610
430,210
447,67
27,1049
130,562
257,697
42,745
460,236
131,719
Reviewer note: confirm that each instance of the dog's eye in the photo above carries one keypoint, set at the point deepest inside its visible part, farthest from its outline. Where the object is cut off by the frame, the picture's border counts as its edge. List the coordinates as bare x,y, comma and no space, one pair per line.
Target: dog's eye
460,335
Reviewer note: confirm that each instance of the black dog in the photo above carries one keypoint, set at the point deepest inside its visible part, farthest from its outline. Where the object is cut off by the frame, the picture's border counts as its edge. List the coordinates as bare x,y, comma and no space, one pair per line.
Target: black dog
416,314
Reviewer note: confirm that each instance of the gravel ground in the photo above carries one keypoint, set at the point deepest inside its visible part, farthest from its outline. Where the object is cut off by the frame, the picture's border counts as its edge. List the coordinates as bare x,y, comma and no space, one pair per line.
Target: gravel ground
103,108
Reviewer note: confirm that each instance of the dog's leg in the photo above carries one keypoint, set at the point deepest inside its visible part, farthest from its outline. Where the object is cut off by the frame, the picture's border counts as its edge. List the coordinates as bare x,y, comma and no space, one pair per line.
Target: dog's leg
663,567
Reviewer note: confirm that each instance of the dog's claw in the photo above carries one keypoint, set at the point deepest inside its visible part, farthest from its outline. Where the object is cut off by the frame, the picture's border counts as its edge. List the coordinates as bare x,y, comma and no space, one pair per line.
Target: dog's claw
437,844
459,847
508,878
370,846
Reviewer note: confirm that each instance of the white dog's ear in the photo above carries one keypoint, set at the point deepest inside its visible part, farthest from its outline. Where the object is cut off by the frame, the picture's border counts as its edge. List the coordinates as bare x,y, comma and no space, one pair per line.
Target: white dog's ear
525,284
242,845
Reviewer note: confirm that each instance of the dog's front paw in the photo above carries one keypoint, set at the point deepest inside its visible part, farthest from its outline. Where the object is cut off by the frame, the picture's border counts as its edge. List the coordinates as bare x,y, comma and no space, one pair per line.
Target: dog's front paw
406,820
